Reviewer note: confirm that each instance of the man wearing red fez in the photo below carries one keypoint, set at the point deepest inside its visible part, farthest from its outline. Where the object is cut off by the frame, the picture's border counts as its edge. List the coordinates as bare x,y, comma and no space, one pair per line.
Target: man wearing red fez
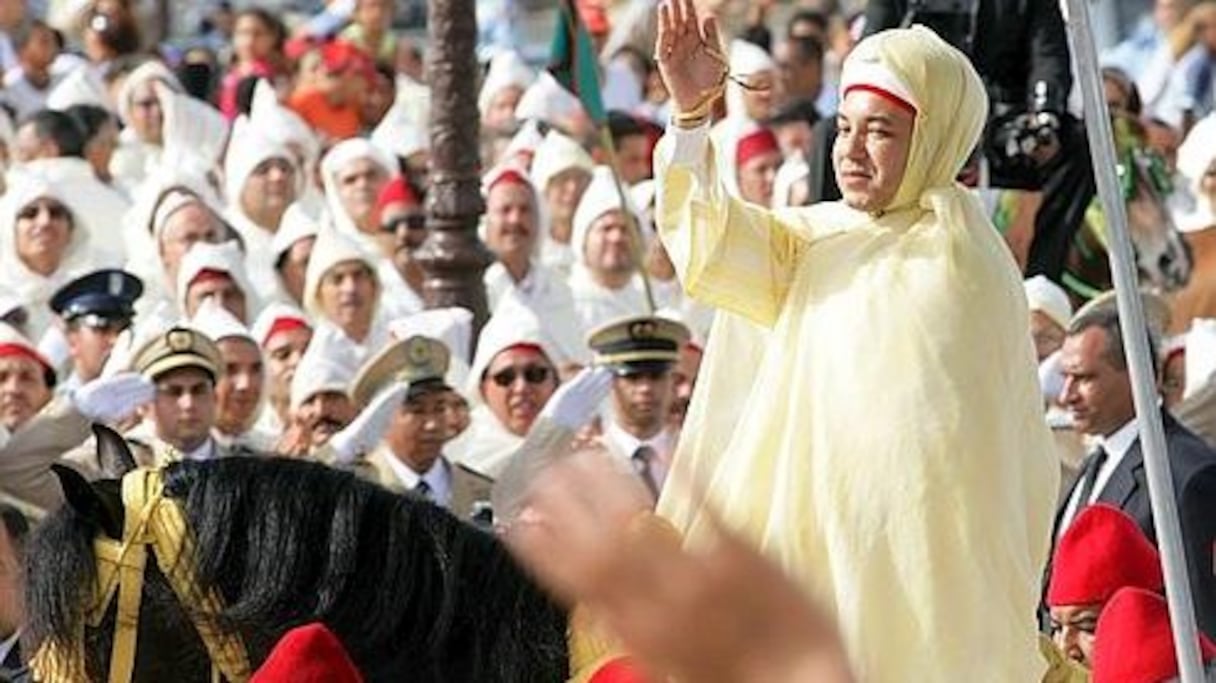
399,214
1135,643
757,158
1102,552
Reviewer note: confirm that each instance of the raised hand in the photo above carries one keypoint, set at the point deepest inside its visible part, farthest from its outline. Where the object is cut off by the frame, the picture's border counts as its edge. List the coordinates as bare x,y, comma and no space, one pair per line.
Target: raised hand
688,52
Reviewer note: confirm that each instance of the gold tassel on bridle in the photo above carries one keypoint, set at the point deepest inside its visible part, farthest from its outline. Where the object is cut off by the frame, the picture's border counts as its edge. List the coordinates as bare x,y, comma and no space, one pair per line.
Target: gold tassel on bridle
152,520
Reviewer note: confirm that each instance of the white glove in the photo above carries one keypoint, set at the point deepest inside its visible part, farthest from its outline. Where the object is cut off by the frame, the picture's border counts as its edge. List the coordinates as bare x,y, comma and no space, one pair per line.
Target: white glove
574,403
113,399
368,427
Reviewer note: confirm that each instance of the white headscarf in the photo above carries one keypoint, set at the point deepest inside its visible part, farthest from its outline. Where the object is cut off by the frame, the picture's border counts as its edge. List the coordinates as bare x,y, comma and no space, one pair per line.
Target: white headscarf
282,123
1050,299
152,70
399,134
195,133
225,257
342,154
507,69
547,100
250,145
326,366
745,59
600,198
81,86
331,249
555,154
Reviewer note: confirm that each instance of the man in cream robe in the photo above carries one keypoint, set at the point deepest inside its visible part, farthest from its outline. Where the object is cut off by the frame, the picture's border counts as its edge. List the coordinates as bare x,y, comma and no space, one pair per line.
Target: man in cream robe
892,454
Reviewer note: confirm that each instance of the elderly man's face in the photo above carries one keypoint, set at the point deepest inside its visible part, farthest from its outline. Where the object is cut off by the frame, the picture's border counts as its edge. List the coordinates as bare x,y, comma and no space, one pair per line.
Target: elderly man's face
270,189
359,183
226,293
239,391
23,390
183,411
609,244
325,414
347,295
147,116
43,232
283,353
510,221
1072,630
756,177
564,192
871,150
1096,392
183,229
516,386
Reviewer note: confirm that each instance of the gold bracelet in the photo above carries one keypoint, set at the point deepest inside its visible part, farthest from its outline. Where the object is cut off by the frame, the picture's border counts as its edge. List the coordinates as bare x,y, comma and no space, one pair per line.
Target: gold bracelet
699,113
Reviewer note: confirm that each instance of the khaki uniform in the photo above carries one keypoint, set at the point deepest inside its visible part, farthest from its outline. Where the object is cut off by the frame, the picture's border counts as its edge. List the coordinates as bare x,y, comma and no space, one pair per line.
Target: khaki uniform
25,475
470,489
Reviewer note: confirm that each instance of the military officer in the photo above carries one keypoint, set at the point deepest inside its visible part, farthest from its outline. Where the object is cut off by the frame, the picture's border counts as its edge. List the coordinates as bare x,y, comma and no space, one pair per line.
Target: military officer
641,352
92,310
409,457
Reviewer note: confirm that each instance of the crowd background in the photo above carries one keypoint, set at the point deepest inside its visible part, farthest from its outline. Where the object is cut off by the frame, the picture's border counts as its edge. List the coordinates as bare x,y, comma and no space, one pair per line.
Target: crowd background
211,211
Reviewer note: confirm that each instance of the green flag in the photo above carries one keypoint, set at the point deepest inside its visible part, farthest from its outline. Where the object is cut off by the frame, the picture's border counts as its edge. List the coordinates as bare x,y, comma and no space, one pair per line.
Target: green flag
572,61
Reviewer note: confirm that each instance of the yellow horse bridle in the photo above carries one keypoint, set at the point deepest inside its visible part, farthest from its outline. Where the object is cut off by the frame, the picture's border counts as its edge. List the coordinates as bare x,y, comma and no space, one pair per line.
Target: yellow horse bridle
151,520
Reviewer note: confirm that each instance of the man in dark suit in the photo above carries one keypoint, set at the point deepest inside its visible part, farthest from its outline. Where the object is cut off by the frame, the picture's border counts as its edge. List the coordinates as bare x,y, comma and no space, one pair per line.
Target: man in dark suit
13,531
1097,392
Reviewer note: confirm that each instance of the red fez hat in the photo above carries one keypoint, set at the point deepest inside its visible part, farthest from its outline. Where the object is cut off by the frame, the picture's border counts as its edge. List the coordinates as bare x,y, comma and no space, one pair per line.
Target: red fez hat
619,670
21,350
284,324
755,143
594,17
210,275
308,654
508,175
396,191
1102,551
339,56
1134,642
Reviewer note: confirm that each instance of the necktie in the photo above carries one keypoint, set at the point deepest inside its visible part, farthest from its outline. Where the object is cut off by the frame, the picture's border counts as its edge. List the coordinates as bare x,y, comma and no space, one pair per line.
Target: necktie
422,490
1093,464
641,460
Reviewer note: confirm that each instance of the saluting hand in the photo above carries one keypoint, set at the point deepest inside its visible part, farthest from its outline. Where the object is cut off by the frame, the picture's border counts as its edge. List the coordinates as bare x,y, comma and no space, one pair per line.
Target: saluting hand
688,52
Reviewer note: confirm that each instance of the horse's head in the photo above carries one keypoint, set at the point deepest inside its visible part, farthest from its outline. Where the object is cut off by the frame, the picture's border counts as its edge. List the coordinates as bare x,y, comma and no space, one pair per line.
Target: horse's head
1163,258
101,581
411,590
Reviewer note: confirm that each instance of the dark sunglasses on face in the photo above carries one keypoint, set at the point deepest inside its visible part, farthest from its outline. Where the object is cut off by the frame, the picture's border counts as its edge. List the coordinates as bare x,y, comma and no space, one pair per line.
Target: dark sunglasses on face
55,211
532,374
413,221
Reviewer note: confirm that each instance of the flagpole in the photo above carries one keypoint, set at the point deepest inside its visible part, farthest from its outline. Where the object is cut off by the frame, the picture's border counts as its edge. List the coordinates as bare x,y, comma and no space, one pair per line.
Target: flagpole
1136,347
573,25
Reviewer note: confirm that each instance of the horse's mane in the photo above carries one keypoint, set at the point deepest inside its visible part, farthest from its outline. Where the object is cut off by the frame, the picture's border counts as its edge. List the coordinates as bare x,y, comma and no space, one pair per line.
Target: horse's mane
411,590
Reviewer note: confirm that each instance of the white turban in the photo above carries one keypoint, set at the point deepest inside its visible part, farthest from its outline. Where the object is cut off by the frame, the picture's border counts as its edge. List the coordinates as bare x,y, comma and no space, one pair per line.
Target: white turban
226,258
297,224
547,100
337,159
331,248
151,70
600,198
1047,297
325,367
398,134
218,323
274,315
250,146
513,324
507,69
195,133
745,59
558,153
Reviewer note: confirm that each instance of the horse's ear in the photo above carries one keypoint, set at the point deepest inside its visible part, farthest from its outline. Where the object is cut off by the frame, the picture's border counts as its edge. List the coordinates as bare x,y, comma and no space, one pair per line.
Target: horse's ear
90,503
113,453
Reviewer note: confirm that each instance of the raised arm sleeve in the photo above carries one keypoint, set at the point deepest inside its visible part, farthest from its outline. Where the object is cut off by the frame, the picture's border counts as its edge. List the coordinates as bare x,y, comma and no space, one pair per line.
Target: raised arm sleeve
728,253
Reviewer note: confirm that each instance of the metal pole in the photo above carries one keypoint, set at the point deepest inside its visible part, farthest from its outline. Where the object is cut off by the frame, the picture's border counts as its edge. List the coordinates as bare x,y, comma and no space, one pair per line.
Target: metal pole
1136,347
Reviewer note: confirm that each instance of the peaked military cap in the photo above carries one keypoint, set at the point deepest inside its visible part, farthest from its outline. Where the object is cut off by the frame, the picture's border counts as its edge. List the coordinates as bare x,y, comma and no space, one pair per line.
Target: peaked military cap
640,344
103,295
420,362
178,347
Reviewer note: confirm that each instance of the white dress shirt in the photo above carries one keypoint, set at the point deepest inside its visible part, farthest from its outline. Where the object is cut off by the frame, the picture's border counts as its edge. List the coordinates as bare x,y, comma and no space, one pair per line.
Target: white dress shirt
205,451
626,444
438,478
1116,445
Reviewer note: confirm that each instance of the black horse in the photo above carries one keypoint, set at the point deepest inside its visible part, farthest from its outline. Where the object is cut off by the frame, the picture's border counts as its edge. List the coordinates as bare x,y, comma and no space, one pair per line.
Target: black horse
414,593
